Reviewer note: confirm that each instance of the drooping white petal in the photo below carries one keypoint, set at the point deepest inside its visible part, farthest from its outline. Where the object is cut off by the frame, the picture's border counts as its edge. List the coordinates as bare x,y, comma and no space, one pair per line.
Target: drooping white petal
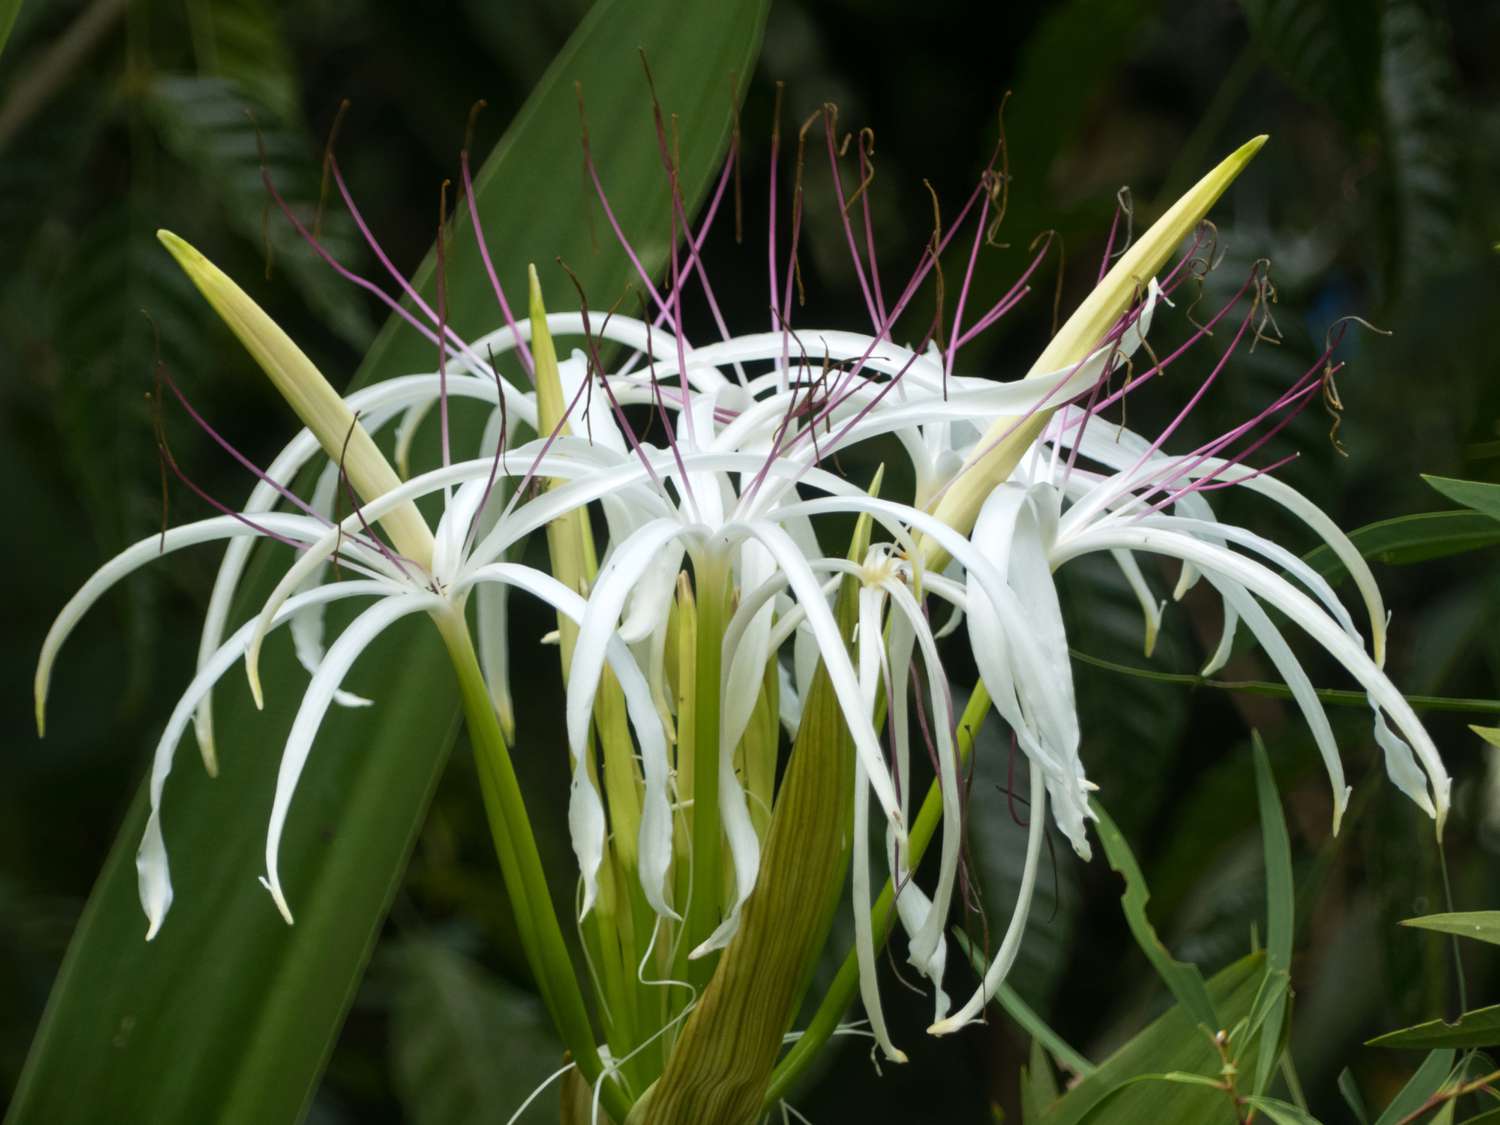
307,627
1010,945
655,842
1150,607
606,600
1287,598
137,556
864,935
315,702
927,942
1297,680
808,588
153,874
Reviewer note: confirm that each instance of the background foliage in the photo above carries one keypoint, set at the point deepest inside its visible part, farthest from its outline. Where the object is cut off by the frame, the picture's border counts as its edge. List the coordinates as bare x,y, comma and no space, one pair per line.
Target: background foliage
1375,197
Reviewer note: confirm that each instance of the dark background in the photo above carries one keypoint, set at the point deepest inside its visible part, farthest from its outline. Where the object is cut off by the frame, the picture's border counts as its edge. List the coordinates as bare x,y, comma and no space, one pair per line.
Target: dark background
1375,196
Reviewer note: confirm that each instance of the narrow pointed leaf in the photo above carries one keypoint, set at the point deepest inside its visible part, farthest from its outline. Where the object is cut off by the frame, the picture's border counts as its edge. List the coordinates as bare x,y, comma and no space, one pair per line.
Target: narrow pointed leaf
1271,1005
1182,978
1173,1043
1479,1028
1422,1085
1477,494
1482,925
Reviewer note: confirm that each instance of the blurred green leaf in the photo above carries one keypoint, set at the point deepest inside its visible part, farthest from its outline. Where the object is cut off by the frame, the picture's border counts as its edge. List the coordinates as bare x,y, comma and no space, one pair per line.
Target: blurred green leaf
243,41
1476,494
1412,539
1038,1085
1417,121
1489,734
1173,1043
9,9
466,1048
1479,1028
1269,1011
208,124
1183,979
229,1015
1349,1088
1422,1085
1280,1112
1483,925
1488,1117
1327,50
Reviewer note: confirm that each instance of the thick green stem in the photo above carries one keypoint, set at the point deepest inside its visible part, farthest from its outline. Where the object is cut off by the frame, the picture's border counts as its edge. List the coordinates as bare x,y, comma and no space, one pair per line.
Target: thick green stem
707,880
521,867
826,1020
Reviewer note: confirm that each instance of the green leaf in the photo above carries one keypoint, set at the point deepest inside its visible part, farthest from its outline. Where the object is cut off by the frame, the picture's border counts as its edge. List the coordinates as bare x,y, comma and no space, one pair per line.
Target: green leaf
1038,1085
1175,1044
1325,49
1412,539
1422,1085
1280,1112
1270,1007
466,1048
1488,1117
228,1015
1352,1097
1183,979
1479,495
9,10
1482,925
1489,734
1479,1028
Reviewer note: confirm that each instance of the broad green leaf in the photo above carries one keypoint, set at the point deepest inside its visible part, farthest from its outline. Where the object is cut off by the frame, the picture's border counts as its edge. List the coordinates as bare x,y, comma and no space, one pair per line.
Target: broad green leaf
1413,539
1421,1086
1270,1007
1482,925
466,1048
1173,1043
1479,1028
1280,1112
1489,734
1183,979
1479,495
229,1015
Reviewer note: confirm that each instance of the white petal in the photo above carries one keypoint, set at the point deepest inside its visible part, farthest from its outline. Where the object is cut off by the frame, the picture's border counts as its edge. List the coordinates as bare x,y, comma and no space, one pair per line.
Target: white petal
315,702
1010,945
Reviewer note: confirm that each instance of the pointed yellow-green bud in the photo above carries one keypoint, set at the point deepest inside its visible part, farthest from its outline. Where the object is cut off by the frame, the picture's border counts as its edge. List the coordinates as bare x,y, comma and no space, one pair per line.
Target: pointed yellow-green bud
551,403
999,452
310,395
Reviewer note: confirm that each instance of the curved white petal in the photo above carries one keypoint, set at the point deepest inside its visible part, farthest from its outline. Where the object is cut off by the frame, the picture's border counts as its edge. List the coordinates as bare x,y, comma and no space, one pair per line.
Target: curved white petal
315,702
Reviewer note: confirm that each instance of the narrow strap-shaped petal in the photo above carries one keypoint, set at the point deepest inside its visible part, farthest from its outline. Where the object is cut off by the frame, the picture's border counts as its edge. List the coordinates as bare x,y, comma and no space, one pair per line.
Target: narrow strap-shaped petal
315,702
1292,674
1277,591
655,853
864,934
1010,945
928,941
606,600
841,677
138,555
152,872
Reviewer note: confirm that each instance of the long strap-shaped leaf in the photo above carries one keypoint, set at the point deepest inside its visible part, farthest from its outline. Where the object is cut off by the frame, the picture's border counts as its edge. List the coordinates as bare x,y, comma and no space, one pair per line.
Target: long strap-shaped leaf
228,1016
